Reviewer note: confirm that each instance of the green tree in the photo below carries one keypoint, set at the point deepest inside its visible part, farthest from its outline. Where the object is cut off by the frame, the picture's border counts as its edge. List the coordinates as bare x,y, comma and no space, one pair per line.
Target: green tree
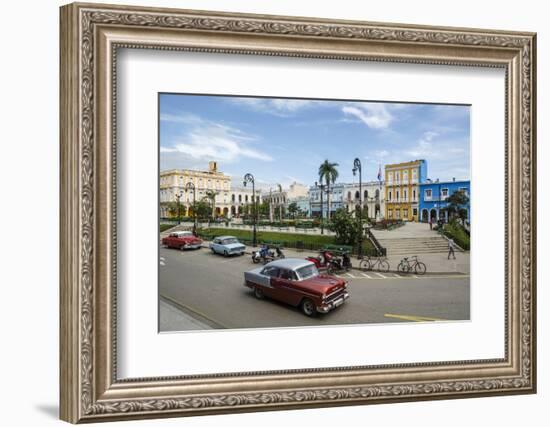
263,208
203,209
293,209
328,173
210,195
345,226
457,203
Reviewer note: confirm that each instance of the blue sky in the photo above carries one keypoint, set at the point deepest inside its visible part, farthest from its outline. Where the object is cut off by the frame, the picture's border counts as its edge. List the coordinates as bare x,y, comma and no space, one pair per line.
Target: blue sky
284,140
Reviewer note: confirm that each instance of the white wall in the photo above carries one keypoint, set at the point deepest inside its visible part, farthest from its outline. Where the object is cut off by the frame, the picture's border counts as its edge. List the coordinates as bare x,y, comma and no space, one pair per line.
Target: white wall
29,171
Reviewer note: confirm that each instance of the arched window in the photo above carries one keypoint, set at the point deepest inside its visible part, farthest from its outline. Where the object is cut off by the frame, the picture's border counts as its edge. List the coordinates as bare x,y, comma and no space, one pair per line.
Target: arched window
349,195
357,194
233,198
377,194
240,198
365,194
246,198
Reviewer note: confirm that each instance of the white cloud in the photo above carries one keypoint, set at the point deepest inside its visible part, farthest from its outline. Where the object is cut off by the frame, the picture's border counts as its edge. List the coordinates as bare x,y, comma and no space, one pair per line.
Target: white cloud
375,116
185,118
424,146
214,141
276,106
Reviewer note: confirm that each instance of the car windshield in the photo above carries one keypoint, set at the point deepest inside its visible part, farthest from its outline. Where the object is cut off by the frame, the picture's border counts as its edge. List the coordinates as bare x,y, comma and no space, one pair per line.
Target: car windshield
230,241
307,271
184,234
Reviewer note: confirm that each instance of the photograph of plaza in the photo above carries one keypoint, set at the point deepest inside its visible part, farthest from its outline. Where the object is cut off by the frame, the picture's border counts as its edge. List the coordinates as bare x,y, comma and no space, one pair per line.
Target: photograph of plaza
286,212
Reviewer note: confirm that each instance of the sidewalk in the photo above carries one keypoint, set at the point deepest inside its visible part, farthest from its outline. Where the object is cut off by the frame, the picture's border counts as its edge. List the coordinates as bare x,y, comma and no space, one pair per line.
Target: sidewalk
435,263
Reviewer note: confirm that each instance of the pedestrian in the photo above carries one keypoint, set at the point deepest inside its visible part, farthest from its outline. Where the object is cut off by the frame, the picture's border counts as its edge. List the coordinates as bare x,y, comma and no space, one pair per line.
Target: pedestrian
431,223
451,249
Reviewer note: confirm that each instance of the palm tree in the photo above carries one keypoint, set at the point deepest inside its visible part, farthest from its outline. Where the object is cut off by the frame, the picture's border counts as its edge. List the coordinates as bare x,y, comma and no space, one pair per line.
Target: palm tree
329,173
211,195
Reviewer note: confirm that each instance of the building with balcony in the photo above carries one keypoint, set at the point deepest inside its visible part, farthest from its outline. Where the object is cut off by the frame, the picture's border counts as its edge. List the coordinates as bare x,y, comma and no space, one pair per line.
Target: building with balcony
241,201
402,189
348,197
434,196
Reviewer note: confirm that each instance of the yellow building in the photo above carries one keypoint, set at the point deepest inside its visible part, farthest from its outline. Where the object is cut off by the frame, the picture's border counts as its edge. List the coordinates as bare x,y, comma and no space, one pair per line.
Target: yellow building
402,191
174,182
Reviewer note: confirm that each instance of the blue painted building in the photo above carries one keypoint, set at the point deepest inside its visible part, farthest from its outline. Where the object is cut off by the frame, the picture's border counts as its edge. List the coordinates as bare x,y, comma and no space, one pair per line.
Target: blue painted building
433,198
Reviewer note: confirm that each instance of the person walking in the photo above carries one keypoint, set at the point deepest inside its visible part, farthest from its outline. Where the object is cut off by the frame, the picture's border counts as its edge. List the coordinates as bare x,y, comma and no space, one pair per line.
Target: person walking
431,223
451,249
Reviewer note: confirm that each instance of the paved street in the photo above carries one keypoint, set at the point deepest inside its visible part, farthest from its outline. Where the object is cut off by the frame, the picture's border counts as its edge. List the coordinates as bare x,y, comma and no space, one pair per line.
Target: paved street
208,290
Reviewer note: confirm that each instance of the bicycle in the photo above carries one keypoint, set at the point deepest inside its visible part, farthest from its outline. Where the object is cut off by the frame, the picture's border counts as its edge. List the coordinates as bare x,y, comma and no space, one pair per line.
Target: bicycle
380,263
407,266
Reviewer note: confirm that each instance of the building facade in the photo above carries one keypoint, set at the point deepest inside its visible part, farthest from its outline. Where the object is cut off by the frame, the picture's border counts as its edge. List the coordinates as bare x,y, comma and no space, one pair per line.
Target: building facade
434,196
348,197
402,189
228,202
370,196
241,201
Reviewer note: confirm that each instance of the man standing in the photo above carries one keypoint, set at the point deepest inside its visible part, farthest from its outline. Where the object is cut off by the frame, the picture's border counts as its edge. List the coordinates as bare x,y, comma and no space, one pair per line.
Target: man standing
431,224
451,249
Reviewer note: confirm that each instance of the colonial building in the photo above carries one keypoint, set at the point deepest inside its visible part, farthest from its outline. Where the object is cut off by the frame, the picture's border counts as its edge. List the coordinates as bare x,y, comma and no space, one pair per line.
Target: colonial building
347,196
242,200
281,199
434,196
179,182
370,196
402,189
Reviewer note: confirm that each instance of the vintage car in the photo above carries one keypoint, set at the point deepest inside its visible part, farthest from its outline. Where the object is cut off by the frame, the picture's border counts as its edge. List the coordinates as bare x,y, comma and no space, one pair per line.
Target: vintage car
227,245
182,240
297,282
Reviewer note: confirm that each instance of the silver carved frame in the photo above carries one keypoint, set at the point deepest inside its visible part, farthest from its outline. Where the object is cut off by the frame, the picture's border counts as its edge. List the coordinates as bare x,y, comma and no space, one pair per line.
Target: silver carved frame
90,36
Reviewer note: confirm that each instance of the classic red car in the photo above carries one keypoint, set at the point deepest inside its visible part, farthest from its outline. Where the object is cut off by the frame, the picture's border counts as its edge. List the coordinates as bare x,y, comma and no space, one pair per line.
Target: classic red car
297,282
182,240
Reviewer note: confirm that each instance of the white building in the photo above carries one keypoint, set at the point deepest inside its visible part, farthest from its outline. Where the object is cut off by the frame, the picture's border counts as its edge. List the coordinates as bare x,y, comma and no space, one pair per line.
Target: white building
348,196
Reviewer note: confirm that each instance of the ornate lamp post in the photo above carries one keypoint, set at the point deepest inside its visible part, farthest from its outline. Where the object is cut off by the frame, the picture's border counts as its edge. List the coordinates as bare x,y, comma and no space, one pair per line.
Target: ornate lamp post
356,168
250,178
322,188
191,187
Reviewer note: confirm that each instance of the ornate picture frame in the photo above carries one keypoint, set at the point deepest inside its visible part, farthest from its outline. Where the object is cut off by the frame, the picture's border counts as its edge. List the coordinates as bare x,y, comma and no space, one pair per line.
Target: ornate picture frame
90,37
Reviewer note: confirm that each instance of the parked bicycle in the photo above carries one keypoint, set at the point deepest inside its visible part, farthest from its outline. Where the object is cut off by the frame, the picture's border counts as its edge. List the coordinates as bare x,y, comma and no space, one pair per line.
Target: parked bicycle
379,264
408,265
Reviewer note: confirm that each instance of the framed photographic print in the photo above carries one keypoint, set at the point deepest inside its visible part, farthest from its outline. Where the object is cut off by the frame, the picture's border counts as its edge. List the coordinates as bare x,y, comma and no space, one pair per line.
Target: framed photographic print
265,212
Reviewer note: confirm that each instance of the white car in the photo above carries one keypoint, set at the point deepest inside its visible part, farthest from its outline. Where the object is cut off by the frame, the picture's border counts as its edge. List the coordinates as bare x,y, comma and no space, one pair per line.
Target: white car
227,245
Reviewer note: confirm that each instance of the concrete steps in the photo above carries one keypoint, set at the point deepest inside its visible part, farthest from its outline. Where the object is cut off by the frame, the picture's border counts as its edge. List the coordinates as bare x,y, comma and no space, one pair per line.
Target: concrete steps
415,245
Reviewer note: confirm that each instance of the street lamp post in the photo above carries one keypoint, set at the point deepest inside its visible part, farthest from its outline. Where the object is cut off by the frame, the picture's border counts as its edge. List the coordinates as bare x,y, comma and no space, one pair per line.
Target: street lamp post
191,186
321,187
250,178
357,168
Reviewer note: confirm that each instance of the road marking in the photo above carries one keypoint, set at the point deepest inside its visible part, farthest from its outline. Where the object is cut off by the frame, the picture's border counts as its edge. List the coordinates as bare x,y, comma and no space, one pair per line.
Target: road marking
413,318
381,275
366,275
162,263
351,275
162,258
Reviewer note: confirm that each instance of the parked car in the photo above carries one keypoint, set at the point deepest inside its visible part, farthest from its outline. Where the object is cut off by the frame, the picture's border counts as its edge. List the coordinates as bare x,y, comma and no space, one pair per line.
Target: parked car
182,240
227,245
298,282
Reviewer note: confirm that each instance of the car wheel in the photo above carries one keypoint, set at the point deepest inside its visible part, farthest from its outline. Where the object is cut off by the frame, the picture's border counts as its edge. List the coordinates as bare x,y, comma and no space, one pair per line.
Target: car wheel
308,307
182,247
258,293
225,253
